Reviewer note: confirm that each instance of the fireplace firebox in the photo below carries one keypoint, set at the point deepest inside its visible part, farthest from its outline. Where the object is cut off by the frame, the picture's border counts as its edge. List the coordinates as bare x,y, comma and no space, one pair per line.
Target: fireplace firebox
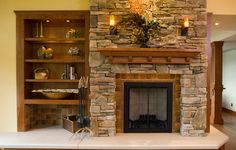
148,107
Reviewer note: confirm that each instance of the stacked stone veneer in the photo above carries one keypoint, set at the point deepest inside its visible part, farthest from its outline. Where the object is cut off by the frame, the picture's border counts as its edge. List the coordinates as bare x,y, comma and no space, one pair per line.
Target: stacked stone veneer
192,77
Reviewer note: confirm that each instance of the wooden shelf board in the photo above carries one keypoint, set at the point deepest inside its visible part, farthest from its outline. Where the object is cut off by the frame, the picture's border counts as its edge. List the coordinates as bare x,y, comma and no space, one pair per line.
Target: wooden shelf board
52,81
149,55
55,60
52,102
55,40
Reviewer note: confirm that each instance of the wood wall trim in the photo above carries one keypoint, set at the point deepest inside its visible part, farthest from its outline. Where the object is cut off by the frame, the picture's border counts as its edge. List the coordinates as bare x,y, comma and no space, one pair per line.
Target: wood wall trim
216,87
149,55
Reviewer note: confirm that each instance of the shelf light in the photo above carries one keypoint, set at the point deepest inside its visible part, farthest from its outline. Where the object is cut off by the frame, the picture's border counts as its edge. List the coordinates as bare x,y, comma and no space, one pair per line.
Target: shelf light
217,23
48,20
67,20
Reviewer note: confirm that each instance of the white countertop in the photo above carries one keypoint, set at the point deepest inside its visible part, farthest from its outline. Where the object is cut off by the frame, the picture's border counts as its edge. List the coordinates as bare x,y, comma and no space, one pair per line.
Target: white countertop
59,138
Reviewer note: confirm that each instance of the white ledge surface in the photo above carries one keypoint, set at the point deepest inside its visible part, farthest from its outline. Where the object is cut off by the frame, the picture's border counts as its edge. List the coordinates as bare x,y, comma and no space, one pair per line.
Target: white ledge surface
58,138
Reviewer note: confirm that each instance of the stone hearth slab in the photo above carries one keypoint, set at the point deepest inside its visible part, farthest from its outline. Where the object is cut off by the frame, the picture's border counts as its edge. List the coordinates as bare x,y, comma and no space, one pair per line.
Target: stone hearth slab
58,138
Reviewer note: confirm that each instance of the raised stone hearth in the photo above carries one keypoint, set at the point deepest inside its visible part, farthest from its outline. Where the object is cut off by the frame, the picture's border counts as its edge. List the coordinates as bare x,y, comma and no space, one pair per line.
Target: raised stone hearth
189,77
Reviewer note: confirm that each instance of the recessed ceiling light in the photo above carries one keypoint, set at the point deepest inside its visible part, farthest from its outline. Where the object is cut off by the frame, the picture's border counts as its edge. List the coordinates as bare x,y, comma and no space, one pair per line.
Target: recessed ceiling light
217,23
47,20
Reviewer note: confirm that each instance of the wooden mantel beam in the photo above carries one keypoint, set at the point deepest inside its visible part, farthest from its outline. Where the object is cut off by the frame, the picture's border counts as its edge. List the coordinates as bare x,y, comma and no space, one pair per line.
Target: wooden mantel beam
149,55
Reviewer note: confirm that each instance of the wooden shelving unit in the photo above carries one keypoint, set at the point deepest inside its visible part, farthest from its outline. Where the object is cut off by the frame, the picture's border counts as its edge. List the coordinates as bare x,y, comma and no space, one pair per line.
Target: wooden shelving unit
55,26
52,81
56,40
51,102
55,61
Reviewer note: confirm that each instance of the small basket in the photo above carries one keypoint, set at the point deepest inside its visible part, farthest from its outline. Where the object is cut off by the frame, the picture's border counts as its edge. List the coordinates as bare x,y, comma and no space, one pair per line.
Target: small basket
41,73
70,123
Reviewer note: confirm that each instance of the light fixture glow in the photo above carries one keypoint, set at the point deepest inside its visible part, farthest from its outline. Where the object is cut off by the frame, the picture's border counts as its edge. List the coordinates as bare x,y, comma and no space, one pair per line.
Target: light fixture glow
184,26
217,23
113,28
112,20
67,20
186,22
48,20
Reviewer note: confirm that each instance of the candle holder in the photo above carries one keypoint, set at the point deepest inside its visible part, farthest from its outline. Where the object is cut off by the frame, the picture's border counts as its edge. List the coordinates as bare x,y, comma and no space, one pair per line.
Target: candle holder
41,29
184,27
113,27
37,30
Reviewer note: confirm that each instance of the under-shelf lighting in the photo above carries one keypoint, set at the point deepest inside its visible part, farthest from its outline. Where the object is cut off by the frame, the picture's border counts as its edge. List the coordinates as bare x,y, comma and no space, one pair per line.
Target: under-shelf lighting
67,20
48,20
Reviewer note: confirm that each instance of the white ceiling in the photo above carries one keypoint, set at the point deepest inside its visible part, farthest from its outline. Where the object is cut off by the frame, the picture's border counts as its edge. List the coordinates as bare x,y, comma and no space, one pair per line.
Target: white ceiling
225,31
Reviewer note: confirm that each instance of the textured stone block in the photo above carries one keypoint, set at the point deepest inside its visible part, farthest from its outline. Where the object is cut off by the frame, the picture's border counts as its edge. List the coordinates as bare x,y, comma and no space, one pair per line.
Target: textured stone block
201,31
122,5
202,91
162,69
120,68
95,109
186,83
112,132
189,90
101,100
93,44
107,124
96,59
94,125
199,120
107,107
190,100
201,80
93,21
102,4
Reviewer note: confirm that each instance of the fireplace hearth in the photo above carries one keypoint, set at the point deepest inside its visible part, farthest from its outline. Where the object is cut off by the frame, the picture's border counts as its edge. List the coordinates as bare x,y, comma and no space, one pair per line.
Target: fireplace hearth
147,107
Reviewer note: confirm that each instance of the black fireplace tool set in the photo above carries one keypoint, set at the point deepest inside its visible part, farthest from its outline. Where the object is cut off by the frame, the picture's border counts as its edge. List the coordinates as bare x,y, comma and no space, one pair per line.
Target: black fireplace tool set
83,121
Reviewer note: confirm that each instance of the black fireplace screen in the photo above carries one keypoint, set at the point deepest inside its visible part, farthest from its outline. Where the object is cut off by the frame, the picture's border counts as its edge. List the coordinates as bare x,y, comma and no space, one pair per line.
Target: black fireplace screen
147,107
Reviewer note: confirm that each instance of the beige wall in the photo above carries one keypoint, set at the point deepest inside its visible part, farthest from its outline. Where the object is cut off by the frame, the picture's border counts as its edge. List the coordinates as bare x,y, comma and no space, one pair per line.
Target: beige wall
226,7
8,116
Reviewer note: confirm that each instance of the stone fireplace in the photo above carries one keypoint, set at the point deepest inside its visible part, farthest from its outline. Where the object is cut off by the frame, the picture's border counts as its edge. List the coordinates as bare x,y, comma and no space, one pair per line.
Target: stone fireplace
110,74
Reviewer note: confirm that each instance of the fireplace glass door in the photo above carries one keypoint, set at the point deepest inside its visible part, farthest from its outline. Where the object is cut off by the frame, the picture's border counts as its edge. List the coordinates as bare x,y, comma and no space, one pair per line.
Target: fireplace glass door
148,107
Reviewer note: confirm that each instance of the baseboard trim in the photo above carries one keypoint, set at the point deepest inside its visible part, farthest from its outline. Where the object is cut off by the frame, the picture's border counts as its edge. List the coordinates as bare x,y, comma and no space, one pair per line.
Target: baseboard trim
229,111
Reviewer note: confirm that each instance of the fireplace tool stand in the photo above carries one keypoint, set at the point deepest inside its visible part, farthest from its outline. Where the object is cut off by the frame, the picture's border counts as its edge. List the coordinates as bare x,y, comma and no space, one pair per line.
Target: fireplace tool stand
83,121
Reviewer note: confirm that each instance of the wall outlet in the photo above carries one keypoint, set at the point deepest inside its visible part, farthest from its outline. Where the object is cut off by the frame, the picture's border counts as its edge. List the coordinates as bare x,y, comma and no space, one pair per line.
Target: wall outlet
231,104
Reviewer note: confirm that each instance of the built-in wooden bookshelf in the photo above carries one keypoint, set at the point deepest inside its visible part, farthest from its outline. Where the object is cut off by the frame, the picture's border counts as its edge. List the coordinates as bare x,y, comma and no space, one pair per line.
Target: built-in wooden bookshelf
48,28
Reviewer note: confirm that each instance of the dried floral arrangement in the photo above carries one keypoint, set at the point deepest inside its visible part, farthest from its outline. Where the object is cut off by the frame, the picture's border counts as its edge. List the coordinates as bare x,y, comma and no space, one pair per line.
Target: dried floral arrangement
142,29
145,27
